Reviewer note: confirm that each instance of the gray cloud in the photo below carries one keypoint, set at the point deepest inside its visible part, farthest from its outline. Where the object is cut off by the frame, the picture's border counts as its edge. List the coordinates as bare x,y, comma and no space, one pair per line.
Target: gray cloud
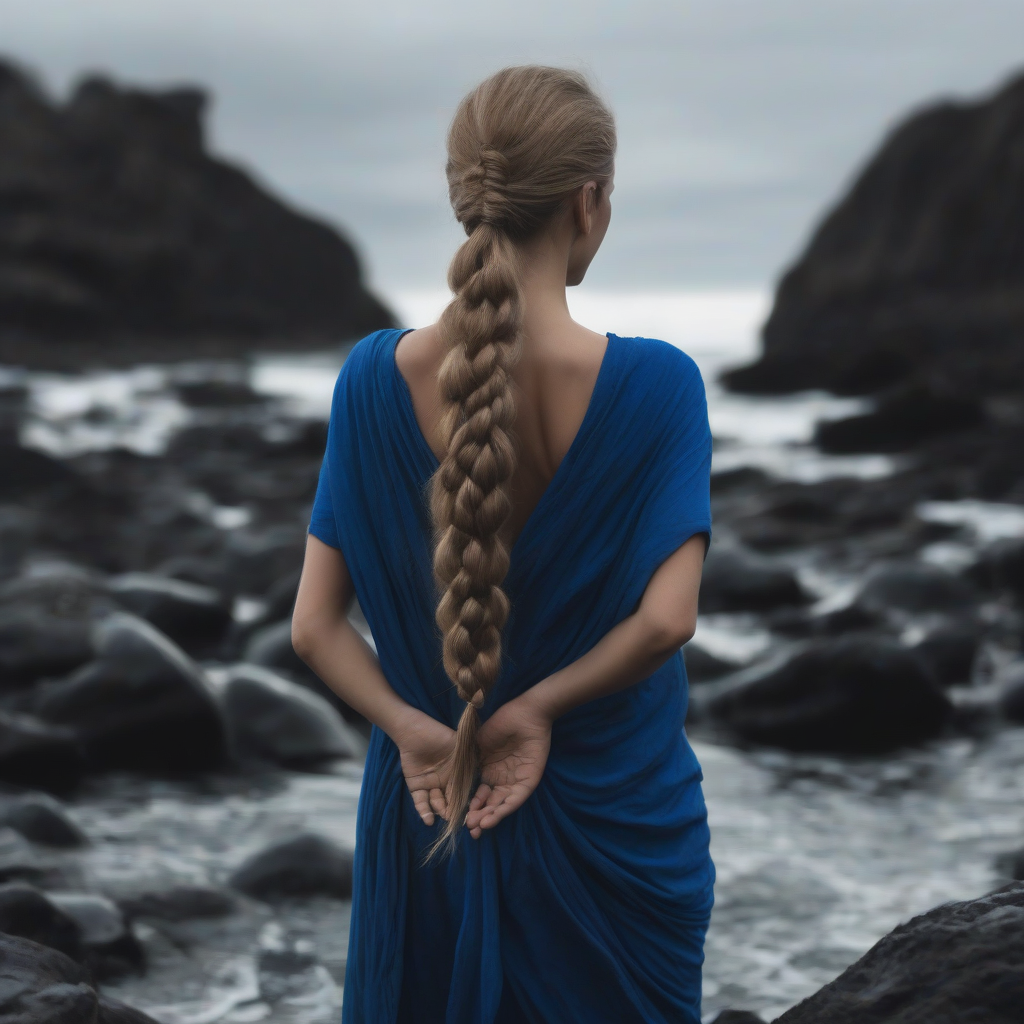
739,119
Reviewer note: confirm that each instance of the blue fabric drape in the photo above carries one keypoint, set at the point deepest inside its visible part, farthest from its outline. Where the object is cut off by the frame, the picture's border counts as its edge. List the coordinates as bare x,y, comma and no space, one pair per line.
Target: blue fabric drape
590,903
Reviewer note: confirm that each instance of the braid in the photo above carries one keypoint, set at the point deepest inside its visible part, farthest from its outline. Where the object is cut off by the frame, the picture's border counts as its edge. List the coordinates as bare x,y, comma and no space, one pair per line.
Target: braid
469,499
521,145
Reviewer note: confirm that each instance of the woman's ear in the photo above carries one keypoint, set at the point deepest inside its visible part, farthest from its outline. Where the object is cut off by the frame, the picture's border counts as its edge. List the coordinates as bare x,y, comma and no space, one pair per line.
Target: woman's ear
585,207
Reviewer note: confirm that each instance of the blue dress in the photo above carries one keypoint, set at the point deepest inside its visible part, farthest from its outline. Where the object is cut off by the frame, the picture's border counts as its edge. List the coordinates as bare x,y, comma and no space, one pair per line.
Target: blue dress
590,903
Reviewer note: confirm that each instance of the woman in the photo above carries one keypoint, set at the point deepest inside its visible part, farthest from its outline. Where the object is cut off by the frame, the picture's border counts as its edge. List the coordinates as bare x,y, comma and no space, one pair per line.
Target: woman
542,492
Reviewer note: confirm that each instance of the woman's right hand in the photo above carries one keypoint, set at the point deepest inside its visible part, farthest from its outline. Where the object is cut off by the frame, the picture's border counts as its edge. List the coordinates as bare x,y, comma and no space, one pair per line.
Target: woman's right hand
426,746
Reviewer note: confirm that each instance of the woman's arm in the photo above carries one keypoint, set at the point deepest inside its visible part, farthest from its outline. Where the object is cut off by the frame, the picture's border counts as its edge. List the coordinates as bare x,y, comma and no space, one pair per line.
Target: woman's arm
514,741
332,647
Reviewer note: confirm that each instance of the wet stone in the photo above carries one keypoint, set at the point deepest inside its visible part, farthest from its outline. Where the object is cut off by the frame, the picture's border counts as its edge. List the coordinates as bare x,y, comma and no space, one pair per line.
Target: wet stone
915,587
958,962
735,580
195,617
110,947
41,818
143,704
857,694
305,865
274,719
183,903
41,985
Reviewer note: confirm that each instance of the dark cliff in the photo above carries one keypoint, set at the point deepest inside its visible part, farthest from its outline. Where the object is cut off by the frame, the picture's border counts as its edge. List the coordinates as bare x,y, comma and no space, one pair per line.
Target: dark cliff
121,237
917,275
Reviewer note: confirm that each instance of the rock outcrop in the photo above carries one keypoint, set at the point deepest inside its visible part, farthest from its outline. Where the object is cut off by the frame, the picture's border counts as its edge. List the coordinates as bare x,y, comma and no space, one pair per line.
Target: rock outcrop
915,278
959,962
122,238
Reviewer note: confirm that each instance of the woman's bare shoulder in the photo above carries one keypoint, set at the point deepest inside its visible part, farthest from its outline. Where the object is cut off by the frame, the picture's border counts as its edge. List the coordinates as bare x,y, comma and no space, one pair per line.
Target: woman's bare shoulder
419,354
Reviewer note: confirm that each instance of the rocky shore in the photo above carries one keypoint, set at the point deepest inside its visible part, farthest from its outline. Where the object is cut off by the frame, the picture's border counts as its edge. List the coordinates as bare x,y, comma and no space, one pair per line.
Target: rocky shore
171,774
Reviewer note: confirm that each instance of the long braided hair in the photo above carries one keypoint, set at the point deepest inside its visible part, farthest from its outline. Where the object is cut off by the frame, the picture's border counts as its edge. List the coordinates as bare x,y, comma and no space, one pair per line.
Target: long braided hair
521,146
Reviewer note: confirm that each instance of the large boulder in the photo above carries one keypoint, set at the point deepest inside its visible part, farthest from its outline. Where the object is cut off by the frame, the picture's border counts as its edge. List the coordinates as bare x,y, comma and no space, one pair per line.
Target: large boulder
40,985
35,753
143,704
271,718
305,865
918,273
123,230
1011,701
110,947
181,903
25,911
1000,567
959,962
45,621
950,650
857,695
271,647
902,419
193,616
41,818
915,587
735,580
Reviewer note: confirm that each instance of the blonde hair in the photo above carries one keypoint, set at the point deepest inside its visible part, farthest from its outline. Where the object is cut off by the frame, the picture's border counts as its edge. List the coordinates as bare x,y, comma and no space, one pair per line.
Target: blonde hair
521,145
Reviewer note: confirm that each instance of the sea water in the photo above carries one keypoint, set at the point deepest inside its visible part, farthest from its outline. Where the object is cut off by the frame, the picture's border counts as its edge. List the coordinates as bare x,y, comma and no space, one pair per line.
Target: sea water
817,857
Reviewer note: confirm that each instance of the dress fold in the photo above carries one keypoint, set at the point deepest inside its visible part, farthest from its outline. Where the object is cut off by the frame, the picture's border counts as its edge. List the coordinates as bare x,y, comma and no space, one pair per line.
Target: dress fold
590,903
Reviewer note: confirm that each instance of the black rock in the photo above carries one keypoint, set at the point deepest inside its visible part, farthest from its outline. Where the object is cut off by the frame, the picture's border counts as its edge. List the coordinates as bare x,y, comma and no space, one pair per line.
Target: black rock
123,231
1011,864
193,616
271,647
917,273
45,621
19,860
218,394
142,705
306,865
959,962
735,580
39,985
280,598
701,665
25,911
35,753
34,644
1011,703
857,694
902,420
799,622
915,587
737,1017
42,819
110,948
271,718
25,471
1001,567
258,560
949,651
183,903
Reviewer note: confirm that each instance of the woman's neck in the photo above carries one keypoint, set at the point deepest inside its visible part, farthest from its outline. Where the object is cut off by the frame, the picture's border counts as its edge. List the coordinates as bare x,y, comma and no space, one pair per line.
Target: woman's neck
544,267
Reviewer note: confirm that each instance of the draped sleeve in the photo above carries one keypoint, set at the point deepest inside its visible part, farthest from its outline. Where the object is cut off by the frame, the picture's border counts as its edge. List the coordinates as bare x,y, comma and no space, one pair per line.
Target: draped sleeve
679,458
322,523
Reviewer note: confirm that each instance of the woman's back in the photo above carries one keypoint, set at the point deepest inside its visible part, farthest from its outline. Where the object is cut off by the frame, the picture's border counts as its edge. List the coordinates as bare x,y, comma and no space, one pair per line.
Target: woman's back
554,378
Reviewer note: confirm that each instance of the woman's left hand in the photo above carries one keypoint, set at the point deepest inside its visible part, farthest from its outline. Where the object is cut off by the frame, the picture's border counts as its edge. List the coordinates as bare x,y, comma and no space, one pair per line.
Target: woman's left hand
514,744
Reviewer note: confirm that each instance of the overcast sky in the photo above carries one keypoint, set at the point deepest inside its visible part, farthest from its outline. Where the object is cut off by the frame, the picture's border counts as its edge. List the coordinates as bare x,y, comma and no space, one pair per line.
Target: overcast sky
739,120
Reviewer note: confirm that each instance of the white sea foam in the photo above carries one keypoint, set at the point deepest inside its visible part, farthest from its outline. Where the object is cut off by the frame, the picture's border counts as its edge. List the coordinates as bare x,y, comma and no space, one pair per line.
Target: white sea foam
140,410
